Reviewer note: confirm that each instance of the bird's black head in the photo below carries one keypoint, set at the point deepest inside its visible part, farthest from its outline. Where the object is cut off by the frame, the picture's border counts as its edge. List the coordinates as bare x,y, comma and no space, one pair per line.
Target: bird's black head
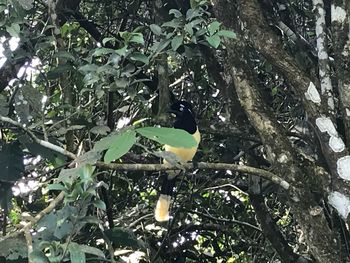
184,116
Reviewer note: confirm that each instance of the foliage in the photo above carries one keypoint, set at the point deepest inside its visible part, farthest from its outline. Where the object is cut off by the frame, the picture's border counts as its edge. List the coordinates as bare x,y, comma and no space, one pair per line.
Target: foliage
93,90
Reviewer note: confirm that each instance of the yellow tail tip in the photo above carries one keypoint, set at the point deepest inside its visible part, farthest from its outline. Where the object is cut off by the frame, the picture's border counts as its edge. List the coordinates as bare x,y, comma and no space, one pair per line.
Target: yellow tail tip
161,212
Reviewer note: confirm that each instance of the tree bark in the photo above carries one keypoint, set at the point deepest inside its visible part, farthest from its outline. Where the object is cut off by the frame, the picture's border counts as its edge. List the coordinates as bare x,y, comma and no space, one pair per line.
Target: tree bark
321,240
333,148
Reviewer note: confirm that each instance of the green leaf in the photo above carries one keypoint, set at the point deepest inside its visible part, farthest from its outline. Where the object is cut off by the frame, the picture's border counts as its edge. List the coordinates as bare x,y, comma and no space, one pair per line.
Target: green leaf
200,32
102,51
213,40
117,145
193,40
92,250
76,254
65,55
100,204
100,129
90,79
85,173
120,83
192,13
128,70
48,221
123,237
227,33
38,257
175,12
189,29
2,8
13,248
13,30
176,42
91,220
197,21
105,143
213,27
88,68
137,38
108,39
175,23
59,187
68,176
137,56
157,30
107,70
15,217
170,136
121,51
274,91
60,70
64,226
26,4
159,47
121,145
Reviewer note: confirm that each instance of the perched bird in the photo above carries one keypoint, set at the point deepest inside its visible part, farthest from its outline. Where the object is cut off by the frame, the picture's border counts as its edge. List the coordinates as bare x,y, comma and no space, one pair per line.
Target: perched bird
184,119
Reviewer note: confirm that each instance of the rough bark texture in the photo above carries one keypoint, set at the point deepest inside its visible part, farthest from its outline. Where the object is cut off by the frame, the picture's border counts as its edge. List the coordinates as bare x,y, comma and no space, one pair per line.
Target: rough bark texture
267,43
163,85
323,59
224,82
64,82
162,67
341,45
272,233
322,242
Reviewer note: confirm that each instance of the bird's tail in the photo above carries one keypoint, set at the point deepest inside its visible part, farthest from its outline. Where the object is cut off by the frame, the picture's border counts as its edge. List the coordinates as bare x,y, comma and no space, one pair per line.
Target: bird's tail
161,212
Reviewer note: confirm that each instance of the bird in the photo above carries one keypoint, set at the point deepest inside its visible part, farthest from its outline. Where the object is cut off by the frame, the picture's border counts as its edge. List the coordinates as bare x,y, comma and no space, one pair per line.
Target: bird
184,119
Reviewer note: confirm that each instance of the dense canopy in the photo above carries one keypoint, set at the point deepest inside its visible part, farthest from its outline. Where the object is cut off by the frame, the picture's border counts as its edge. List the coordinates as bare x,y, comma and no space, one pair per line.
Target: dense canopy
85,88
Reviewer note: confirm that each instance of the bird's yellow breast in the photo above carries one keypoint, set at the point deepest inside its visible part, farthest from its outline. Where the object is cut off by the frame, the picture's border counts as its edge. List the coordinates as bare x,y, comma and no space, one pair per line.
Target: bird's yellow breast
185,154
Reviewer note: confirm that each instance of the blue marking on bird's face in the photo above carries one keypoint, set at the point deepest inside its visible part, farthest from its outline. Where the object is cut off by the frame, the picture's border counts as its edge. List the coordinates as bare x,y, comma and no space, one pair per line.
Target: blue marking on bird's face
181,107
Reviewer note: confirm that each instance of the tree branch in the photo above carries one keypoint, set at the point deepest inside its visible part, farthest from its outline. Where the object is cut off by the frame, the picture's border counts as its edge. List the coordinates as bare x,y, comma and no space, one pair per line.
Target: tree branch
224,220
340,45
201,165
322,54
44,212
278,148
272,232
333,148
155,167
37,140
37,218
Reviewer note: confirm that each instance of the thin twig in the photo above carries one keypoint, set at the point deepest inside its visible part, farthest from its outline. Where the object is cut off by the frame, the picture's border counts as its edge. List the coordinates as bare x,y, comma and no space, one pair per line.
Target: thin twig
71,115
233,221
43,212
25,229
140,219
226,185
